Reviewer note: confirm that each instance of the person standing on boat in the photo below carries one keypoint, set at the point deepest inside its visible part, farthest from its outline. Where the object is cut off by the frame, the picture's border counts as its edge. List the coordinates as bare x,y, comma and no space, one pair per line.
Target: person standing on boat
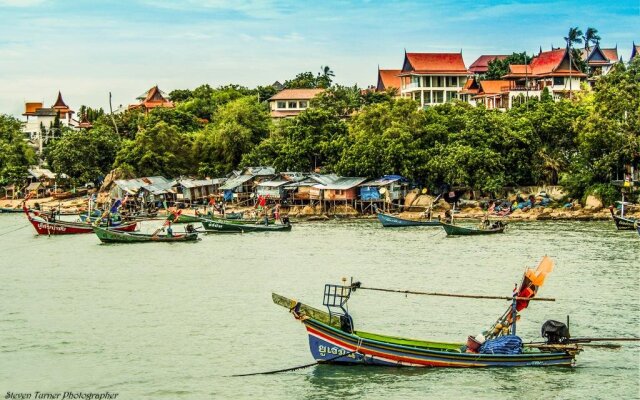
169,230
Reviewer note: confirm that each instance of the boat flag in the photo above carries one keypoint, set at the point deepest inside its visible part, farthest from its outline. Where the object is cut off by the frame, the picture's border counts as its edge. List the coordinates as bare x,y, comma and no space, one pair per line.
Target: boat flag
172,217
116,205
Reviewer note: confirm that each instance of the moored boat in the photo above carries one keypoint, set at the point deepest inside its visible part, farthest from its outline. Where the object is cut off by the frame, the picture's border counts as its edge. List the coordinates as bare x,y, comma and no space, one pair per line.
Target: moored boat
389,221
457,230
69,195
333,339
622,223
7,210
56,227
222,226
111,236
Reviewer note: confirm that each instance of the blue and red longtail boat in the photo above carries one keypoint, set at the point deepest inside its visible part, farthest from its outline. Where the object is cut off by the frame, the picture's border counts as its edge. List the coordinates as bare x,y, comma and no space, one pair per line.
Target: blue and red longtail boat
333,339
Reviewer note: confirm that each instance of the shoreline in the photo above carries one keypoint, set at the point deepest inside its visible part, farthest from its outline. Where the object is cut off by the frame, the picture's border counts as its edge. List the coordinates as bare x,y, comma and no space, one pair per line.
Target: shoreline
308,213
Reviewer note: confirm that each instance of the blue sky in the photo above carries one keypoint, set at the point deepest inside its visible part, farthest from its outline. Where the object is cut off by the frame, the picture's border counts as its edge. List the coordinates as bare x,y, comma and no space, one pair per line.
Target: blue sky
88,48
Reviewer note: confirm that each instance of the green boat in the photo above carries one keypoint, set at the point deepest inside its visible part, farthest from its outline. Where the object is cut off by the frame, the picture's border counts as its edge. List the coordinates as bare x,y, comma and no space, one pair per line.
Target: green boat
457,230
224,226
110,236
188,219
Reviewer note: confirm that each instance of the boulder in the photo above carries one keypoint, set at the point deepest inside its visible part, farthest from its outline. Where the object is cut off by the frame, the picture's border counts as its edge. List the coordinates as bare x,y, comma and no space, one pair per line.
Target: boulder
593,203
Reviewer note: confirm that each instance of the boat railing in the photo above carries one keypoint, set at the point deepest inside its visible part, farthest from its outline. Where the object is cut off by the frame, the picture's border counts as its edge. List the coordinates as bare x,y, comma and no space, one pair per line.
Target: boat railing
336,298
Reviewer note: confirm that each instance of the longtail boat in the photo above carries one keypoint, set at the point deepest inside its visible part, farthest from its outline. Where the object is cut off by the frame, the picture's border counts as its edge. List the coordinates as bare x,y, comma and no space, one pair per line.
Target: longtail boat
188,219
622,223
7,210
46,227
110,236
389,221
457,230
222,226
333,339
234,215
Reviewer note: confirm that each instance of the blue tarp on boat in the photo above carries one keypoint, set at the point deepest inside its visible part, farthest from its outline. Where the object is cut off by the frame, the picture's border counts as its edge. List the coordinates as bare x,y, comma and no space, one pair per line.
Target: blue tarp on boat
508,344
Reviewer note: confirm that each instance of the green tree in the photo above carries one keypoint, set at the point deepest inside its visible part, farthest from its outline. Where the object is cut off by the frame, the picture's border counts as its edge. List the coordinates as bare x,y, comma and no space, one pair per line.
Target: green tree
304,80
239,126
159,150
325,77
341,100
15,154
590,37
84,156
498,68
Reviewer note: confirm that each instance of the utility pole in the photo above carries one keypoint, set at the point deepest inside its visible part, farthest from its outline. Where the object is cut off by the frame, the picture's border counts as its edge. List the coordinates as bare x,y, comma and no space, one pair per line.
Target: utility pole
112,118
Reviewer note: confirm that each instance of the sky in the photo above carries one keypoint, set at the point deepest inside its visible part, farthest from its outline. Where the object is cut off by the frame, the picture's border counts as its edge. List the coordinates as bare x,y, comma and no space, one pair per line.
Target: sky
88,48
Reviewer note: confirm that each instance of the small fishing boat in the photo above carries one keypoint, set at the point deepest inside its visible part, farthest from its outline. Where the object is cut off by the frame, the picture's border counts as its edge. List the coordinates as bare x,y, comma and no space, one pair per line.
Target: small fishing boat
188,219
457,230
622,223
389,221
7,210
223,226
111,236
45,226
333,339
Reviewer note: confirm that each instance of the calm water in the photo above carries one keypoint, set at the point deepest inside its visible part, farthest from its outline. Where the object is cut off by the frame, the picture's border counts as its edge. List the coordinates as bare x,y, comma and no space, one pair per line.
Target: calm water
173,321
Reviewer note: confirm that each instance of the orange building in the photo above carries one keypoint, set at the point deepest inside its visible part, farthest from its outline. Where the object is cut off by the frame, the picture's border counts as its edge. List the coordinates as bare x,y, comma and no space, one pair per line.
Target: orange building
152,99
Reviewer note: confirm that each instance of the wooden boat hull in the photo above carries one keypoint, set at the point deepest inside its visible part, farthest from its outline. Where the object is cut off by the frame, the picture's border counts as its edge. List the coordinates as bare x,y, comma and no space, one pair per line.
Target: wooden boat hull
456,230
110,236
389,221
221,226
7,210
328,343
44,227
624,224
234,215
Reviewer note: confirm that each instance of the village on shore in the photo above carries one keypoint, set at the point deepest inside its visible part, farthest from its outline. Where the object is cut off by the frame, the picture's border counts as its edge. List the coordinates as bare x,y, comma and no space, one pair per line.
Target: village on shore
429,79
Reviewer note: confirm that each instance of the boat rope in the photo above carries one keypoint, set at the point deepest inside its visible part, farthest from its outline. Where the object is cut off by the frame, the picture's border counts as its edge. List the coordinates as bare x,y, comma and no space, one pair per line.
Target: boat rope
13,230
277,371
467,296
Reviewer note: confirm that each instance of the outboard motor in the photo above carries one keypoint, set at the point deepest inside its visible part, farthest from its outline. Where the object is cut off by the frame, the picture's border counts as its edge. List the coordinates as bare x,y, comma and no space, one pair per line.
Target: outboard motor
555,332
346,323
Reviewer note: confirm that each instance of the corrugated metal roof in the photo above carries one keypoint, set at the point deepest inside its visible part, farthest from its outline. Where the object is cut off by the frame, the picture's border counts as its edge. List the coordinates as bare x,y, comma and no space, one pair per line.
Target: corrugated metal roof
385,180
134,185
273,183
233,183
39,172
194,183
342,183
259,171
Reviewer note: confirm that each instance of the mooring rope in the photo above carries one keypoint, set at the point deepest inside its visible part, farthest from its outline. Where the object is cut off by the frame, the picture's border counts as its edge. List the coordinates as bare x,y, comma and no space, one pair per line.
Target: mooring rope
13,230
277,371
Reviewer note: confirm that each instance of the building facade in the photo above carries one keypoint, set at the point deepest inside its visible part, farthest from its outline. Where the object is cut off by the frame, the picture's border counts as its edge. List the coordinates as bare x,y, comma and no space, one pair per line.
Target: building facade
432,78
291,102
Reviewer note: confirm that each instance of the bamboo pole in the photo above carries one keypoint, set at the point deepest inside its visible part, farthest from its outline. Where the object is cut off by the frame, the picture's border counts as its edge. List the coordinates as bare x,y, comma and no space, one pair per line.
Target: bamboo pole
466,296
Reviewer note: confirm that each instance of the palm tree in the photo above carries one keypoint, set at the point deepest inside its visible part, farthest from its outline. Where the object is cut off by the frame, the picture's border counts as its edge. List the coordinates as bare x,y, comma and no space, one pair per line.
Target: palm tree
572,38
590,36
324,76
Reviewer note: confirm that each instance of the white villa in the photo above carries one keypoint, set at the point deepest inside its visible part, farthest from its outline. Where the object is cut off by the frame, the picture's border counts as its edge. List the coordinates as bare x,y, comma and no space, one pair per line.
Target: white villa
549,69
291,102
432,78
40,121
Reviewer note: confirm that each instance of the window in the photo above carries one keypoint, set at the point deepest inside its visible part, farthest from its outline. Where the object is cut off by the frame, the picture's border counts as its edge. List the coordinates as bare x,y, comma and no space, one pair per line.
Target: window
293,104
438,81
415,80
452,81
461,81
302,104
426,81
438,96
282,104
558,80
427,97
451,96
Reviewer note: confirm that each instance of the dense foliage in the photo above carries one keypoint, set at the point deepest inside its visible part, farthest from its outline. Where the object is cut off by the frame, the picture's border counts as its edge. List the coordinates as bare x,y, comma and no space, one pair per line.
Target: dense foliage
15,155
580,143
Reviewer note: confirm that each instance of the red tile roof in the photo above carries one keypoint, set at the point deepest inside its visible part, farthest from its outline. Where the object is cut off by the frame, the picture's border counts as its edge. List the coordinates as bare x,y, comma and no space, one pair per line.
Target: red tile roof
153,99
481,65
470,87
434,63
296,94
388,78
547,63
493,86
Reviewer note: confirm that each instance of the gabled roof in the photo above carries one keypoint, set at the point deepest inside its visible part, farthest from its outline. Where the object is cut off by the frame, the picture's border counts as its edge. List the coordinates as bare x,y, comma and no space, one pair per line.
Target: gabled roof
277,183
194,183
481,65
132,186
233,183
154,98
596,55
470,86
492,87
259,171
634,51
296,94
434,63
60,104
547,63
388,78
38,173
